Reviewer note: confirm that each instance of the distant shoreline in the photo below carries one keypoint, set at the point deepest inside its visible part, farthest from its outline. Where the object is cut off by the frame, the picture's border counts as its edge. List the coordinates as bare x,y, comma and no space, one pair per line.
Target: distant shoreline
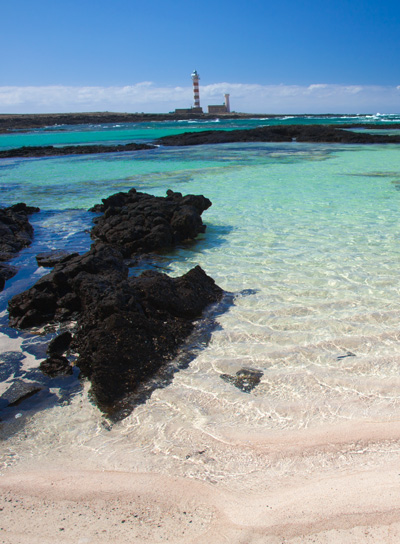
321,133
26,121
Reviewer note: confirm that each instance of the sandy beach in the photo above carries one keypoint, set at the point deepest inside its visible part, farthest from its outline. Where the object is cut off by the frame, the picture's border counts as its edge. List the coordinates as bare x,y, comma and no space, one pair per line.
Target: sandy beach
322,486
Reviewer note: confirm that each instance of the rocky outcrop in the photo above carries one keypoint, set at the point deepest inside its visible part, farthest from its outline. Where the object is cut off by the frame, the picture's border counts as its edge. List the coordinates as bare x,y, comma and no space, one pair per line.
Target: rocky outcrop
6,272
132,223
126,328
56,363
137,223
16,233
15,230
279,133
49,259
65,292
138,327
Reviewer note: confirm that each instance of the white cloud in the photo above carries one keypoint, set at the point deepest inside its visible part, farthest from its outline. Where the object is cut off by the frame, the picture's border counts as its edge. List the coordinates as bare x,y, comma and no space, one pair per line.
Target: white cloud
251,98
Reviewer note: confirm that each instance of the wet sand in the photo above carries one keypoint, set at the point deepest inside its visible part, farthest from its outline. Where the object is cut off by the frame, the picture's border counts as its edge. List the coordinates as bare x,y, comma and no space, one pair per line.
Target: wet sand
340,485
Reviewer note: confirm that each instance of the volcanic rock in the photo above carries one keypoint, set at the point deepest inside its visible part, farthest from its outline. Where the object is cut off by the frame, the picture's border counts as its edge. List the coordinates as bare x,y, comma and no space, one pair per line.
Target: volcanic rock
68,288
18,391
246,379
138,223
51,258
127,328
49,150
15,233
6,272
278,133
15,230
135,329
60,343
56,365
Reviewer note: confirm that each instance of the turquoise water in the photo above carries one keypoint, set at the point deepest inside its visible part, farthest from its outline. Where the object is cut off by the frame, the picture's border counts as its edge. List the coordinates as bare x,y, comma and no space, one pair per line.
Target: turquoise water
120,133
307,238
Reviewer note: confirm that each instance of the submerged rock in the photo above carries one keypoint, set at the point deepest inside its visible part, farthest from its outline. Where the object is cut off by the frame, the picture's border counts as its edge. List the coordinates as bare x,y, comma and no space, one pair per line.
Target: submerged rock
19,391
246,379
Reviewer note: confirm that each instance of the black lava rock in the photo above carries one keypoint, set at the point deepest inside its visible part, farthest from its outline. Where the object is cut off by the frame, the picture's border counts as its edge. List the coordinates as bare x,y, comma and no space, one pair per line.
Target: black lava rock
279,133
6,272
46,151
137,328
15,230
15,233
60,343
127,328
51,258
68,288
139,223
56,365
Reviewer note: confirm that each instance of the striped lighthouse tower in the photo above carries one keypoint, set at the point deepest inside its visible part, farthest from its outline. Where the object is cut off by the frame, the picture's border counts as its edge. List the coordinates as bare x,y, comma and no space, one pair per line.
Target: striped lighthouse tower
196,77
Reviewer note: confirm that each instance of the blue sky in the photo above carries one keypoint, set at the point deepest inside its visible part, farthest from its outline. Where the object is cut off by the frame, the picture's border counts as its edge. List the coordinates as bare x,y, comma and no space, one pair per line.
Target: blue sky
285,56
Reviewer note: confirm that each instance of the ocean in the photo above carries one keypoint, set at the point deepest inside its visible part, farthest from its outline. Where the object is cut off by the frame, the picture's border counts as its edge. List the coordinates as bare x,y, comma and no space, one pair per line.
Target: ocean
304,237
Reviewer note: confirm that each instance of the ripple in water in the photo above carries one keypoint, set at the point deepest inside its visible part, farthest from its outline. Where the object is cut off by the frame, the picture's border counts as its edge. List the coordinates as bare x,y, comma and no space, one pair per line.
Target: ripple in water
309,232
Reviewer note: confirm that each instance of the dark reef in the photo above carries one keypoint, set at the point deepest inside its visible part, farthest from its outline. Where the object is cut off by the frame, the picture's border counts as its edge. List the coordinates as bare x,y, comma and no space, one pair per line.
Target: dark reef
276,133
49,150
279,133
126,328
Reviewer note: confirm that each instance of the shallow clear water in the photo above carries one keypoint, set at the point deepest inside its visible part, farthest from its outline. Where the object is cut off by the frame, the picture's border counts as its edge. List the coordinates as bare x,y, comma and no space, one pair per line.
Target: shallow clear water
307,238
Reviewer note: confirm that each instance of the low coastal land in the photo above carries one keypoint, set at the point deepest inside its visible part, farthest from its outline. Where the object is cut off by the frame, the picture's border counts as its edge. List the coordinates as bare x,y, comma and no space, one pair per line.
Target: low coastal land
344,134
22,122
333,484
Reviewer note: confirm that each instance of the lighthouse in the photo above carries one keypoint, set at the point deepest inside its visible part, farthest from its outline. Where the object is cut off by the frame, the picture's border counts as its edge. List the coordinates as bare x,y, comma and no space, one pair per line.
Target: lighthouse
196,92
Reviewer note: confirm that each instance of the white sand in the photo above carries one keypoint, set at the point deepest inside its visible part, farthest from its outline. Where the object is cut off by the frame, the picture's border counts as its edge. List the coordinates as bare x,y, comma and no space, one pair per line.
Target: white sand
342,485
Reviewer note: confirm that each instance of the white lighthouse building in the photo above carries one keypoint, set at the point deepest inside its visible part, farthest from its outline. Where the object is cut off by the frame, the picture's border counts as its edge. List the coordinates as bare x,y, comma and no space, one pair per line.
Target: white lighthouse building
196,108
196,93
